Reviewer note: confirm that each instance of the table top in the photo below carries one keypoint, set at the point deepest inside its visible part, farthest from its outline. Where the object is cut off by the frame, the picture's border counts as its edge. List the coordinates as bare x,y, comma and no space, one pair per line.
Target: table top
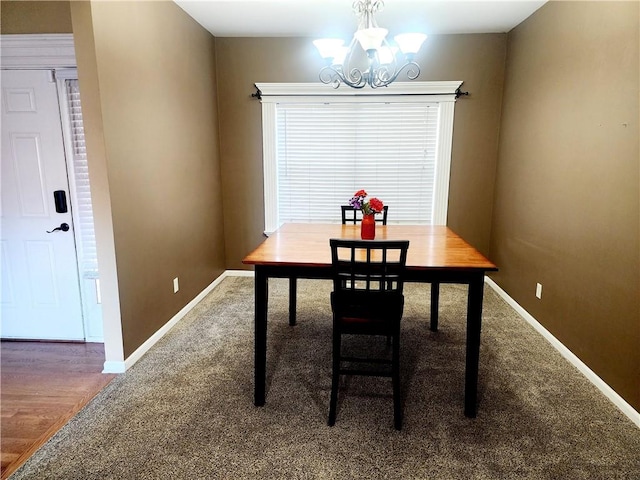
430,247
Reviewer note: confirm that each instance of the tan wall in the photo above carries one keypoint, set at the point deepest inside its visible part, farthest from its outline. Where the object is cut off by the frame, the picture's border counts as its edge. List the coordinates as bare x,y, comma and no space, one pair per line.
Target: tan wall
155,71
22,17
567,197
478,60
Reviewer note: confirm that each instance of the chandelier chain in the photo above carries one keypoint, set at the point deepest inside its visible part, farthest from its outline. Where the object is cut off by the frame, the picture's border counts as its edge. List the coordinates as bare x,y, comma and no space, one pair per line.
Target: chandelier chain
365,9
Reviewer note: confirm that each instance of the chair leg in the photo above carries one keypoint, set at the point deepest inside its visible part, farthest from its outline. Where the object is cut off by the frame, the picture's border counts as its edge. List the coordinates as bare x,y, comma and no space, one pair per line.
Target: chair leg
335,377
397,403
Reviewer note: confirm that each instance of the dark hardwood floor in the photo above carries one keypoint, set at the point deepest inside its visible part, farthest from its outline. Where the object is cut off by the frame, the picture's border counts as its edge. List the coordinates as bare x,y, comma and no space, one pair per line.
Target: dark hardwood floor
43,385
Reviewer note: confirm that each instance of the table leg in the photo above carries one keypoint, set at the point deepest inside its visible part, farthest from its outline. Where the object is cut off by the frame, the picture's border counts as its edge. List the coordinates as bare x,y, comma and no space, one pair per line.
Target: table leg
435,298
292,300
261,297
474,325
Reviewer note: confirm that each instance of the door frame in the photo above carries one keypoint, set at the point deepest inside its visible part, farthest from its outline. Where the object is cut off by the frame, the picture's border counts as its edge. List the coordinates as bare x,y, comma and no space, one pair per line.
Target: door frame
57,51
47,51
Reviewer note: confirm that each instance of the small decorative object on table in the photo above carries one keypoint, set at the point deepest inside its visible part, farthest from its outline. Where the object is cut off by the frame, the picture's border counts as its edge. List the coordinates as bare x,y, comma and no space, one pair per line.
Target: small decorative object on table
369,209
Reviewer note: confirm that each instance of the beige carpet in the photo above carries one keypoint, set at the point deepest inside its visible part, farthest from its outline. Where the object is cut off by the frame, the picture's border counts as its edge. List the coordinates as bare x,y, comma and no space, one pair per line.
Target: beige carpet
185,410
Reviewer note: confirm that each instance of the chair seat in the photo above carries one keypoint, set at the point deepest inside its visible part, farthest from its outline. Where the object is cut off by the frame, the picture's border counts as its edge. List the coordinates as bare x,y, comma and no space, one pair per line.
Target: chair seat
375,316
361,320
375,304
359,326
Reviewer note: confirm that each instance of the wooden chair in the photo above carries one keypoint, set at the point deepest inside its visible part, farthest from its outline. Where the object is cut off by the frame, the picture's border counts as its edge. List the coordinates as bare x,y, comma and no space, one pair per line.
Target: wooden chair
367,299
354,215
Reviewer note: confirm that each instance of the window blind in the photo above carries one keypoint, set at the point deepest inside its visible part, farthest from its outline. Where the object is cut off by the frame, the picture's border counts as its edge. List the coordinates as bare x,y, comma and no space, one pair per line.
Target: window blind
87,248
325,152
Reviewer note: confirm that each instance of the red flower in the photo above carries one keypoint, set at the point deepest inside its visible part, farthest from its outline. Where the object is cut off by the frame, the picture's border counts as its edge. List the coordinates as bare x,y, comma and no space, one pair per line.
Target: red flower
368,208
376,205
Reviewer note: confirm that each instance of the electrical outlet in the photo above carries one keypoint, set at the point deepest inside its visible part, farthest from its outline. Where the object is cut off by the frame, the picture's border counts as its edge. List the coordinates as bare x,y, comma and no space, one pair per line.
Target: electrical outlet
538,290
176,287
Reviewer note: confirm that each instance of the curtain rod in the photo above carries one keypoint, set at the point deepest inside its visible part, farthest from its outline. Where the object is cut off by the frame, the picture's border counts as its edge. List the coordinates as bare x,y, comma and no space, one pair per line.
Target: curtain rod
258,94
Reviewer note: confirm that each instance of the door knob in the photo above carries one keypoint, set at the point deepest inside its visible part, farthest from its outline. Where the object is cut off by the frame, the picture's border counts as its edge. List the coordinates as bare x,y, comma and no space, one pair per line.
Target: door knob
63,226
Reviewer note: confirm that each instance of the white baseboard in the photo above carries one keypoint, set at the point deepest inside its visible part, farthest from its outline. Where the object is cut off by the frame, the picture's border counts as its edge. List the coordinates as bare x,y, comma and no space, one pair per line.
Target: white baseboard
121,367
238,273
616,399
113,367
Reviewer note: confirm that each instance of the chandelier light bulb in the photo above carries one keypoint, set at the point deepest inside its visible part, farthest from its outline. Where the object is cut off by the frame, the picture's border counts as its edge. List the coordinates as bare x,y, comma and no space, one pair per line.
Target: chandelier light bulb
340,55
387,55
410,43
328,46
371,38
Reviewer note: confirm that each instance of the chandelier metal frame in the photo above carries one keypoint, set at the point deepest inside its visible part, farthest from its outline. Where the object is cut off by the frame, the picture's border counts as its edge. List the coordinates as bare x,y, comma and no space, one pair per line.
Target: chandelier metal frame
383,64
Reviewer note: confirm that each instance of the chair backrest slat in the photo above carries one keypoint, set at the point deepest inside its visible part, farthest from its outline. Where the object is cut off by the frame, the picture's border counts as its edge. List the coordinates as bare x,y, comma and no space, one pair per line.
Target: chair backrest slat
352,215
368,265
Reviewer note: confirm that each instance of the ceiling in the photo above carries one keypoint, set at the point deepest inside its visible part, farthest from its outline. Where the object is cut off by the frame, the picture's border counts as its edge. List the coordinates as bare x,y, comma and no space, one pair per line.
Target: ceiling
335,18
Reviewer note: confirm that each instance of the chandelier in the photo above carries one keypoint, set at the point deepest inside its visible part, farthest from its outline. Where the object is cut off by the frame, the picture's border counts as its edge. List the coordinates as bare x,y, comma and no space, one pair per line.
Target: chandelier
370,59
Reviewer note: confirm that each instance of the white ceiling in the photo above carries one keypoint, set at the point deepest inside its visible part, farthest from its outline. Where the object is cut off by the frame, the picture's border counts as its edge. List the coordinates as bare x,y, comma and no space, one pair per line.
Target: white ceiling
323,18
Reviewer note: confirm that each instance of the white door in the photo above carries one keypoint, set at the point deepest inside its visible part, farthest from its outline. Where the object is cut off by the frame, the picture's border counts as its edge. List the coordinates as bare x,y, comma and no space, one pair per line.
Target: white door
40,286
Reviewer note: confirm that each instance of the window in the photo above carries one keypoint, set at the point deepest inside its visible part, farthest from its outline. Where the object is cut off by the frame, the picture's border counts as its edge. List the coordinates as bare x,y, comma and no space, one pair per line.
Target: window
393,142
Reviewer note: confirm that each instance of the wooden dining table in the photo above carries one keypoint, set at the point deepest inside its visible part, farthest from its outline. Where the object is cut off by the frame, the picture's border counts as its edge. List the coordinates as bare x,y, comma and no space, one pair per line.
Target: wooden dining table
436,255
